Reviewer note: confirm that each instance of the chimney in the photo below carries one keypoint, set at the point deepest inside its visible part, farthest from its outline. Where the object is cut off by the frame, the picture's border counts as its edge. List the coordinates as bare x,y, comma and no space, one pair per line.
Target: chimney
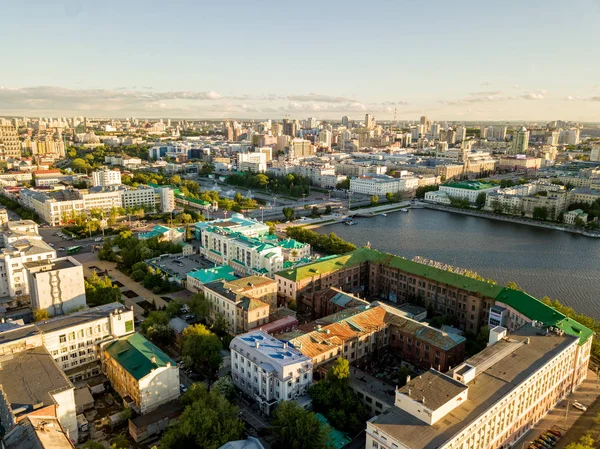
256,344
153,359
408,378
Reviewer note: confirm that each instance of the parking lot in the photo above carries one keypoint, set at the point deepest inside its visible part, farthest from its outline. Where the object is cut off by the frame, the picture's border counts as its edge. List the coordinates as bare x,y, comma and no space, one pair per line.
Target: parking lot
55,238
178,266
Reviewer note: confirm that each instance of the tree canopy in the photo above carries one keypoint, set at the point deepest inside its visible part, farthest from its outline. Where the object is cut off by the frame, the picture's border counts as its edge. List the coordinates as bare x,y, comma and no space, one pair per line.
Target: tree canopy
296,428
100,290
328,243
201,348
208,421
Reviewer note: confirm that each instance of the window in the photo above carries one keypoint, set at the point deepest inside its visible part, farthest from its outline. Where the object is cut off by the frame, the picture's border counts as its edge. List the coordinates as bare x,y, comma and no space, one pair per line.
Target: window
129,326
62,338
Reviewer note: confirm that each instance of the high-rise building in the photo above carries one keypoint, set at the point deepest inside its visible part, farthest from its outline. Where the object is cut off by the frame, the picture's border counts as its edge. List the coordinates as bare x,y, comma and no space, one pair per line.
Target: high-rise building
572,136
461,133
346,121
425,122
369,121
520,141
9,140
552,138
311,122
290,127
325,138
167,200
300,148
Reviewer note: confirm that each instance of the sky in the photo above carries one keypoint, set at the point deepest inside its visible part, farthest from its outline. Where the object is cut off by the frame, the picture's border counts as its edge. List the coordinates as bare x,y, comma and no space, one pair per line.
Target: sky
465,60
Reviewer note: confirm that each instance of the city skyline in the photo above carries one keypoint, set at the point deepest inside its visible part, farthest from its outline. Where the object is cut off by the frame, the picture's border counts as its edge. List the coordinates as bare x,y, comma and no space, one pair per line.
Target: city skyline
187,60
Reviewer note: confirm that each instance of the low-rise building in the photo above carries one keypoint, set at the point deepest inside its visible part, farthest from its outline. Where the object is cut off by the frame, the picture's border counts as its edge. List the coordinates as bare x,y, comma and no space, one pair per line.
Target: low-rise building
268,369
37,432
294,250
164,234
196,279
467,189
572,216
103,178
141,373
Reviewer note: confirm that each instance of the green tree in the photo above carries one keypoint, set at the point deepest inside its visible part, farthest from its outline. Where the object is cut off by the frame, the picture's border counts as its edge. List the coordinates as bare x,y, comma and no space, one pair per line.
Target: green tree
315,212
40,315
176,180
480,200
174,308
225,387
345,184
288,213
100,290
201,348
296,428
421,191
91,444
389,196
156,327
207,422
328,210
340,369
200,306
374,200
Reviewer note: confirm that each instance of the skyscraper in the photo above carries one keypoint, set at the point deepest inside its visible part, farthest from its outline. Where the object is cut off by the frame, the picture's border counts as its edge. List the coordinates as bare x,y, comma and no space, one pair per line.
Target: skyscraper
520,141
461,133
9,140
290,127
369,121
346,121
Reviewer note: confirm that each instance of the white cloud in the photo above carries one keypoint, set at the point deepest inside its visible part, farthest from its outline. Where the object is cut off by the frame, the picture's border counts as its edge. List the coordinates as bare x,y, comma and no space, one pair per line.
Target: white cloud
516,86
534,95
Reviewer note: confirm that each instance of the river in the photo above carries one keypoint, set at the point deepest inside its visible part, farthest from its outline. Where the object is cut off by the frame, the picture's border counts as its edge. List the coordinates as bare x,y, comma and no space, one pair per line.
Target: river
543,262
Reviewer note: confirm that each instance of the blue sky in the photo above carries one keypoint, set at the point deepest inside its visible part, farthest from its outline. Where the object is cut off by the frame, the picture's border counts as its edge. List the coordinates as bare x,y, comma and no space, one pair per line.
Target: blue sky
467,60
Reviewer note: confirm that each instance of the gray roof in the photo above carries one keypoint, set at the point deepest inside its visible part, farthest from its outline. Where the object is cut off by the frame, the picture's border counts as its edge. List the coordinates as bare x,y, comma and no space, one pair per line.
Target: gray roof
250,443
360,380
29,377
433,389
488,387
18,334
76,318
37,432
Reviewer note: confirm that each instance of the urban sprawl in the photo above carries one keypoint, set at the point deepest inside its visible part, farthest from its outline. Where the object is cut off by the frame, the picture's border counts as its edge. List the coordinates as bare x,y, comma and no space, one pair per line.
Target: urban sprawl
162,285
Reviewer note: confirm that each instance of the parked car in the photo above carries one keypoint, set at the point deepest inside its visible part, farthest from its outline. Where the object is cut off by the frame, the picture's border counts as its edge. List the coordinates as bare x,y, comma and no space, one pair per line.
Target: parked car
51,244
183,388
580,406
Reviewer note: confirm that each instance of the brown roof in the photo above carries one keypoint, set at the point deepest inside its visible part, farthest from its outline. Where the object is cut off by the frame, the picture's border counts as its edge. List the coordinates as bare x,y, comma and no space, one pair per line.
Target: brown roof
433,389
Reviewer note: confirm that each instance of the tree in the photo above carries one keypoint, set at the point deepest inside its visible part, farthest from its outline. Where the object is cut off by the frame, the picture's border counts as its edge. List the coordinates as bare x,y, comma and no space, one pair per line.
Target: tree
91,444
200,306
40,314
296,428
540,213
207,422
288,213
340,369
480,200
176,180
100,291
174,308
374,200
225,387
328,210
344,185
315,212
220,324
201,347
156,327
389,196
421,191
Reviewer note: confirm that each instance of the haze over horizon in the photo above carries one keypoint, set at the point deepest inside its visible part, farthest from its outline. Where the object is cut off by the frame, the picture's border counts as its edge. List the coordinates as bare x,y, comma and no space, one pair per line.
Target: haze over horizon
257,60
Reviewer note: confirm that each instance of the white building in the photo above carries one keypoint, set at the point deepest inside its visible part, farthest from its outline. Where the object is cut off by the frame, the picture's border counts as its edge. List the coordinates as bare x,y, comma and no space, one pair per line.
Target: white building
520,141
56,285
253,162
141,196
491,400
167,200
374,184
268,369
22,244
74,340
572,136
469,190
104,178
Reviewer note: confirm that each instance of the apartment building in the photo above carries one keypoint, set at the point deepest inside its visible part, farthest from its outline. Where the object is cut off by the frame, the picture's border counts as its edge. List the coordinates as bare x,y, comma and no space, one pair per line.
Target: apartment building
268,369
467,189
245,303
9,140
491,400
56,285
167,200
22,245
252,162
74,340
40,432
358,332
196,279
141,196
106,177
140,372
376,184
378,275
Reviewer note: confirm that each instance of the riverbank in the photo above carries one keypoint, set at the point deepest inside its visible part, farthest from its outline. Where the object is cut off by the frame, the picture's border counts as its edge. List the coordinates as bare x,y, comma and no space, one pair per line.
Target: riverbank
517,220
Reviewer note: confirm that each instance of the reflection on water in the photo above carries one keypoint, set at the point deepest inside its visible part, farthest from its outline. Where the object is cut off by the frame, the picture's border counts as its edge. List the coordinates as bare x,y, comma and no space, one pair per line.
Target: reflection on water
542,261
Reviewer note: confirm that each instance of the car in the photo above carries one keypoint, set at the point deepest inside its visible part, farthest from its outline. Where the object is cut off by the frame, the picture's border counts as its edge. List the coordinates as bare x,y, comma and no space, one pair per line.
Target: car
99,239
579,406
183,388
188,317
61,248
51,244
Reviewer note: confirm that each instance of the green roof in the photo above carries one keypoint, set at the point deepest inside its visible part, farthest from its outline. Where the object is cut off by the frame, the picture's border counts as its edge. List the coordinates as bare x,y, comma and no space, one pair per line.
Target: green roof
223,272
470,185
337,439
520,301
134,353
291,244
537,310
